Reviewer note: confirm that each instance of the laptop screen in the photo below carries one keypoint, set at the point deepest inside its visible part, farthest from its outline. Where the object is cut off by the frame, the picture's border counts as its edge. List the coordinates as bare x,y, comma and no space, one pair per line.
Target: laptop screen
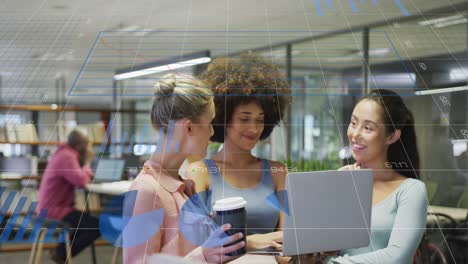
109,170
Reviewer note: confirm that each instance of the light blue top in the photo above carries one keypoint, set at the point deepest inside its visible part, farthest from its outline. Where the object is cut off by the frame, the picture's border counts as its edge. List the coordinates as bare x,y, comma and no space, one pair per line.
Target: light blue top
397,226
261,217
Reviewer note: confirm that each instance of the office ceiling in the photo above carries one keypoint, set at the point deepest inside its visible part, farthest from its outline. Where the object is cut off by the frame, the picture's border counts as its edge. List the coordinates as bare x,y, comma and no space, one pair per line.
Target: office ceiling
43,40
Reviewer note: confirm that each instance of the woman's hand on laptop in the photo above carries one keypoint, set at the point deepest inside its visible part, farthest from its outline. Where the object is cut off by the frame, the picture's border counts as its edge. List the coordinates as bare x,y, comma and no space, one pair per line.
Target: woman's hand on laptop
355,166
259,241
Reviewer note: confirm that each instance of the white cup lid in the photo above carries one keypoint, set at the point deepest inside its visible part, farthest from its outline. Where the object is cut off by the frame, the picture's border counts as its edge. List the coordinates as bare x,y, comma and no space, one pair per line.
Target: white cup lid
230,203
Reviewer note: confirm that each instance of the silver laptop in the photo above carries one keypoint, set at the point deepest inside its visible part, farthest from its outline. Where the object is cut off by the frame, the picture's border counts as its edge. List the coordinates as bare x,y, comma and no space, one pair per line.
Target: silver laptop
109,170
329,211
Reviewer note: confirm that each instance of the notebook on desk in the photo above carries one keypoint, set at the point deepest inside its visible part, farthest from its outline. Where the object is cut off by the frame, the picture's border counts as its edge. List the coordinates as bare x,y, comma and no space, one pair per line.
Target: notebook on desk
109,170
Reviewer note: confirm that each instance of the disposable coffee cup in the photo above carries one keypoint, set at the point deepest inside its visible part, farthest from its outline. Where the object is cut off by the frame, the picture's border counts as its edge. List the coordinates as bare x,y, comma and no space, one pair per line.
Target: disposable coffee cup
232,211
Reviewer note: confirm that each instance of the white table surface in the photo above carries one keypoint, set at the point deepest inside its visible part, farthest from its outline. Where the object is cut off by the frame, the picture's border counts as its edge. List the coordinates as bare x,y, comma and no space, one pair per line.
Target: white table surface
246,259
254,259
459,214
117,188
109,188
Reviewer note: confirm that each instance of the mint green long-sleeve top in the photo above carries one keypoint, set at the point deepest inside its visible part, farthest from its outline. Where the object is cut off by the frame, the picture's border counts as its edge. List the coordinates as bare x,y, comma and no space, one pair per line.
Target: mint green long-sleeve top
397,226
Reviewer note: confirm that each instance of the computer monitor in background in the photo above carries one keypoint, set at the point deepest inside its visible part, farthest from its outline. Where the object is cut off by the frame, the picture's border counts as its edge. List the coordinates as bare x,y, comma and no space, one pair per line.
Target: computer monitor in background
95,162
23,166
131,161
109,170
132,165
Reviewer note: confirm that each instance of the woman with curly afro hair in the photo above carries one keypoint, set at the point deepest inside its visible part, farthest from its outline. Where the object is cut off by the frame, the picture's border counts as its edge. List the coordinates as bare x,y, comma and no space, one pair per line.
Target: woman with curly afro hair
251,97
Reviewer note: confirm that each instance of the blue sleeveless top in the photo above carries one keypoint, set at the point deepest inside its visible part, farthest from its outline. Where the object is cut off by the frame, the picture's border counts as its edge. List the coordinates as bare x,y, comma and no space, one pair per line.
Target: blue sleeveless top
261,217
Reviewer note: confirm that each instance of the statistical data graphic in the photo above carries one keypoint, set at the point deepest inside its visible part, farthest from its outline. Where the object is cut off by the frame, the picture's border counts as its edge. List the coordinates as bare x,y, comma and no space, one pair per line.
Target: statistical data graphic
146,54
130,131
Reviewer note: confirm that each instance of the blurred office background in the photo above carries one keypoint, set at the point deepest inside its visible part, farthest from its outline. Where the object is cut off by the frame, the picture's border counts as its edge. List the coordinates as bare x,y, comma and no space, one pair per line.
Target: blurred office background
60,64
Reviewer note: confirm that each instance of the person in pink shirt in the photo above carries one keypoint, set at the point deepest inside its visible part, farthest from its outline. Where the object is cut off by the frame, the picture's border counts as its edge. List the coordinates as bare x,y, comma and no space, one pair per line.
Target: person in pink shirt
182,111
66,170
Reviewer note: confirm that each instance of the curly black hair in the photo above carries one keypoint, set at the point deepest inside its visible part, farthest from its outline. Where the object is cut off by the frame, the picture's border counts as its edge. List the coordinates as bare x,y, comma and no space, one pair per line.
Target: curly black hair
242,80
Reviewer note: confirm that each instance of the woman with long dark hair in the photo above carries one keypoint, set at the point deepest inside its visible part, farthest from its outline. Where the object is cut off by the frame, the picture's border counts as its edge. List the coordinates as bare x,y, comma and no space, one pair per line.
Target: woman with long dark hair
382,137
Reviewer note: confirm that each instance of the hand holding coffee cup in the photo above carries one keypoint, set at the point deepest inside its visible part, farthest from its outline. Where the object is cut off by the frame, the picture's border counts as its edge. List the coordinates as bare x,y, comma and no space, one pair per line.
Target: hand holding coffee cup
232,211
219,246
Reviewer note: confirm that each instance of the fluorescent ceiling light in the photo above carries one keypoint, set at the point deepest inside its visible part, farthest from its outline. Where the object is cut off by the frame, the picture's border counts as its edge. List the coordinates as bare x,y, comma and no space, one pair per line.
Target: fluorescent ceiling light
459,74
355,55
282,53
129,29
162,68
377,52
441,90
397,79
439,20
451,23
158,67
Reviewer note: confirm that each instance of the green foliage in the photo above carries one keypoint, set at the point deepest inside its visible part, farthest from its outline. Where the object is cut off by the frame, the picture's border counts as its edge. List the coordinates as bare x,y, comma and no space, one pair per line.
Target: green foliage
312,165
214,146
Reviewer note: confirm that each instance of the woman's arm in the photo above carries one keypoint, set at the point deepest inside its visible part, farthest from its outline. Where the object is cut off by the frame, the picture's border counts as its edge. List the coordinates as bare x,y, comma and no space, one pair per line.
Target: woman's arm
279,173
408,229
279,179
146,201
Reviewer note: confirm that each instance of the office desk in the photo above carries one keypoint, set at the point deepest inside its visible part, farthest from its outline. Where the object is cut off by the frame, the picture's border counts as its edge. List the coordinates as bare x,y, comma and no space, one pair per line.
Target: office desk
458,214
254,259
246,259
17,181
109,188
117,188
17,177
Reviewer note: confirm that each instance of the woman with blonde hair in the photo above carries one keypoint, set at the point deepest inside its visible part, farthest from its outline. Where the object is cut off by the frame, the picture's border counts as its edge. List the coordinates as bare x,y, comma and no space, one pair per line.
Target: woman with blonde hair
182,111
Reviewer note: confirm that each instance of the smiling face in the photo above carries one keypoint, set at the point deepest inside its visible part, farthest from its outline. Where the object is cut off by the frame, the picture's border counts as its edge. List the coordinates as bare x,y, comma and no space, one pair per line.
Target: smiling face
246,126
366,133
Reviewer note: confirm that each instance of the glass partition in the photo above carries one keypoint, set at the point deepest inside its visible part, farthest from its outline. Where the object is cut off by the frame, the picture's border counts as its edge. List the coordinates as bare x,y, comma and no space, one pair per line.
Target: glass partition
321,87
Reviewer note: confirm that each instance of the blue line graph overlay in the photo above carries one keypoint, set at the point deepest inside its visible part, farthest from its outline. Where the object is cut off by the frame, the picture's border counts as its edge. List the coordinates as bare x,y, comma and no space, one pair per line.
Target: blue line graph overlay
355,7
143,145
102,148
12,221
16,230
27,220
117,49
